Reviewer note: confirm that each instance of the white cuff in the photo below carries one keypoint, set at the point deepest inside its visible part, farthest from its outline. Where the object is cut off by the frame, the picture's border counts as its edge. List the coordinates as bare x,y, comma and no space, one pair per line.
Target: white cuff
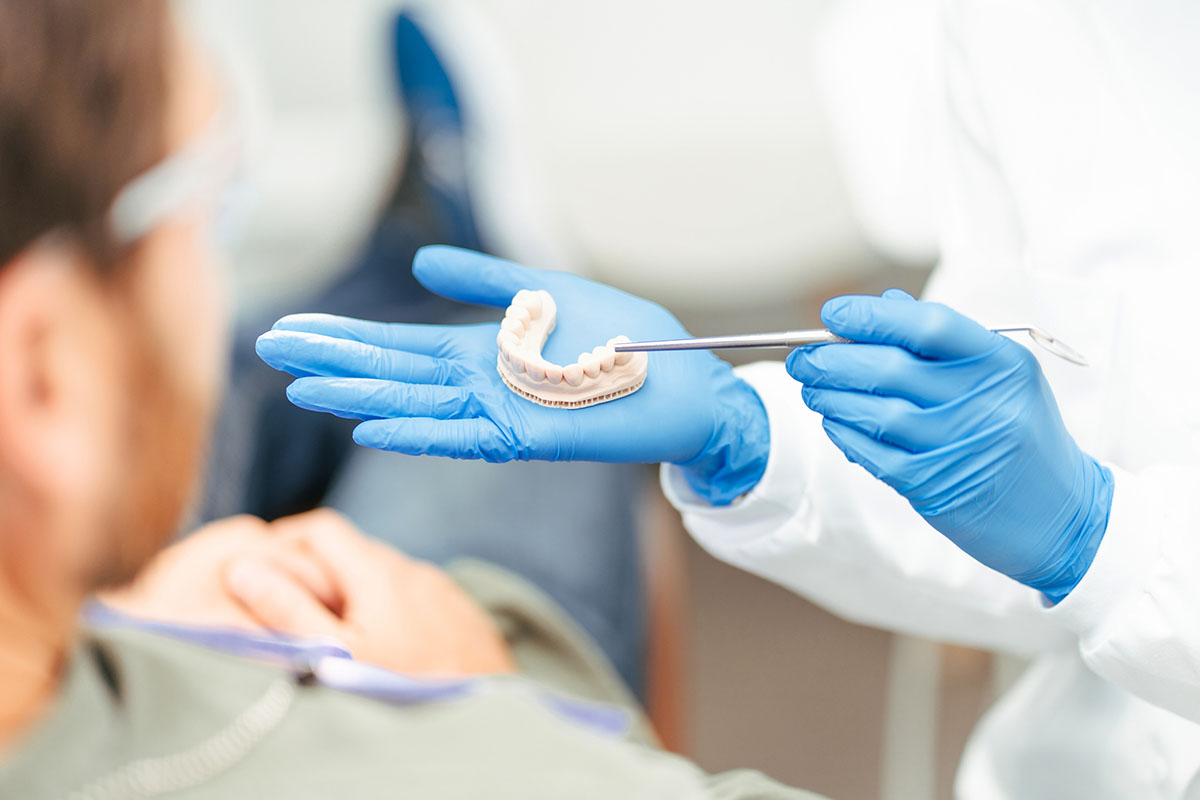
1125,556
779,494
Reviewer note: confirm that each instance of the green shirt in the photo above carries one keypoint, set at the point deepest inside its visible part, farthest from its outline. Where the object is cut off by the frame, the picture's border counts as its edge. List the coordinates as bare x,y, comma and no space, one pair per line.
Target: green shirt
145,716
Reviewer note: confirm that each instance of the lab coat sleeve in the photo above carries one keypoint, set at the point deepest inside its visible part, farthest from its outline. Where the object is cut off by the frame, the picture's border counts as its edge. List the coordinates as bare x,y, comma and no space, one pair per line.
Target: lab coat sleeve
1136,610
1097,204
828,530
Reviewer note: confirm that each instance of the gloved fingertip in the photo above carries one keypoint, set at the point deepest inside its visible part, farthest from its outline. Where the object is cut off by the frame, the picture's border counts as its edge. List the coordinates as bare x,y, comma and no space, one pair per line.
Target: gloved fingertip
426,258
295,396
432,258
836,310
805,364
267,347
366,434
378,434
834,430
307,322
797,364
898,294
468,276
306,393
286,323
820,402
434,250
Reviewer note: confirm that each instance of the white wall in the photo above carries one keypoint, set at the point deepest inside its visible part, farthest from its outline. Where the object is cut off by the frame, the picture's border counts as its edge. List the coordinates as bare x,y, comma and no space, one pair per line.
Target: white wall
325,130
678,148
681,143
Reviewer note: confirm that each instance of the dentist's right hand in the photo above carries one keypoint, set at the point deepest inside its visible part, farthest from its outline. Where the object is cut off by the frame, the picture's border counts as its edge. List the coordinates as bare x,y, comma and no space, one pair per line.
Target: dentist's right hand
434,389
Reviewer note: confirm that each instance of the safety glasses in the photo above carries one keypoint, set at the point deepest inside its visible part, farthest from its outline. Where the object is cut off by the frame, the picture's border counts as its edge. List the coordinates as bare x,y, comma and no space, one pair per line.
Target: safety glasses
205,172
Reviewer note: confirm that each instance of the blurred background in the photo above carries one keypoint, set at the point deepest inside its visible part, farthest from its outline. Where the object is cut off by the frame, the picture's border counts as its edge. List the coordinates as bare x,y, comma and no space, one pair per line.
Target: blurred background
738,163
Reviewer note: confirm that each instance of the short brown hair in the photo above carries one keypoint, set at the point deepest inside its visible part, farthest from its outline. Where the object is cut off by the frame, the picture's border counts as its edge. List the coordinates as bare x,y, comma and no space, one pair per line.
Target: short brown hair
83,93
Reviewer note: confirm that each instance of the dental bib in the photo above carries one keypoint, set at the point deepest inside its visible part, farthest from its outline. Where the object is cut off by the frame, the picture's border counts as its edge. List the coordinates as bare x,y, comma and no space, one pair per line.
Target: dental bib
597,377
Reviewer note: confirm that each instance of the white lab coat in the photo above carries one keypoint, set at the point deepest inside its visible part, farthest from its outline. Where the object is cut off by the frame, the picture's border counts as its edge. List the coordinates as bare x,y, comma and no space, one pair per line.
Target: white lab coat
1073,202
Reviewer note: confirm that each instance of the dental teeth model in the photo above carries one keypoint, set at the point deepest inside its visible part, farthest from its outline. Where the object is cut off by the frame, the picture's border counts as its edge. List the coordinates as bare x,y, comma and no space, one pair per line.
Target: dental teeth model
597,377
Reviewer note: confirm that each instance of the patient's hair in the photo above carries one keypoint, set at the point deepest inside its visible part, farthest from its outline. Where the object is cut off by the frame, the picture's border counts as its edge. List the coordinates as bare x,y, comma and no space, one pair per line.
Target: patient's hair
83,90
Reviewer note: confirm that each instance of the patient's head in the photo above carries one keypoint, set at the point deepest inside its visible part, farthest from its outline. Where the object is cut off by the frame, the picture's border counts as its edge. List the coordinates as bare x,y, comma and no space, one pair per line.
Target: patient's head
111,335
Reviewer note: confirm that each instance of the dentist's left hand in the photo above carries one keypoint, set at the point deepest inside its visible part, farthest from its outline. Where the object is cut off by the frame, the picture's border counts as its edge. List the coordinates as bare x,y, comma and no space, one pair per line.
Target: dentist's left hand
434,389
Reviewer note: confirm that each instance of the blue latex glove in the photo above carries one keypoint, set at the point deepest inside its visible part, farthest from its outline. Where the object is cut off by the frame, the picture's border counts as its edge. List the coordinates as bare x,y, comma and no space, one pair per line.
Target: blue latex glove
961,422
434,389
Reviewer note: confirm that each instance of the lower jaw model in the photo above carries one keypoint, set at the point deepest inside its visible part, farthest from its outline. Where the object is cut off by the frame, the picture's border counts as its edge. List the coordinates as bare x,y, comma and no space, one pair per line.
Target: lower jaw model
597,377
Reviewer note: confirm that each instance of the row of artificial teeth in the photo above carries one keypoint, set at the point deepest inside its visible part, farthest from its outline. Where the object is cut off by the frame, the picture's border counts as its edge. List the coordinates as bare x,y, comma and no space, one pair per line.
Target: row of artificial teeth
527,307
589,365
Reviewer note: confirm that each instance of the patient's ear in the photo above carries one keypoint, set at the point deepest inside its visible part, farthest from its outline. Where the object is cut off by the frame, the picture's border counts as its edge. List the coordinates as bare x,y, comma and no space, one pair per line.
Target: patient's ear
59,371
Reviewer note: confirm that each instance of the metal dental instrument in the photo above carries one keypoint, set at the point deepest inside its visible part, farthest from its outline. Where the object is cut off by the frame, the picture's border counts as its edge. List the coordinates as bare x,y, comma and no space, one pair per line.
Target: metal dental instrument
821,336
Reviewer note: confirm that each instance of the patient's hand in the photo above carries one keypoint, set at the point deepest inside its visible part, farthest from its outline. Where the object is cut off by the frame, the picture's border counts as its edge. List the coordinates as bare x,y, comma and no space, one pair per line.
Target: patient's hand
184,583
389,610
315,575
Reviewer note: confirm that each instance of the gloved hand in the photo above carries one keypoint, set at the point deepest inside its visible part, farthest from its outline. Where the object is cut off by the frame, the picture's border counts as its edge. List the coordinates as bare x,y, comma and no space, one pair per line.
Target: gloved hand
434,389
961,422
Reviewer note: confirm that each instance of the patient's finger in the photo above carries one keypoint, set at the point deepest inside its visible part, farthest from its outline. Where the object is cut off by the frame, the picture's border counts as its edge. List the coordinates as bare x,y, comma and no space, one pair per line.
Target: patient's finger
308,571
351,557
305,353
329,539
299,527
367,398
278,601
